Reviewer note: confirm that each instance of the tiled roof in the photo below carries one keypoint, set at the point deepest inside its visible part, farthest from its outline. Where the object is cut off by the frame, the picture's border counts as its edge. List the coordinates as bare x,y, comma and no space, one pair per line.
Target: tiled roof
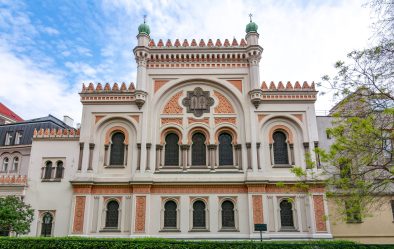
4,110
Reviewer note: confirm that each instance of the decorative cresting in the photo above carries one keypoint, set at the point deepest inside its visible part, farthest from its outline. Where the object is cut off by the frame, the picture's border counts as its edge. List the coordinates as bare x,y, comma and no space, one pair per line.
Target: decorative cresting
224,105
172,106
280,92
115,94
198,102
56,133
13,180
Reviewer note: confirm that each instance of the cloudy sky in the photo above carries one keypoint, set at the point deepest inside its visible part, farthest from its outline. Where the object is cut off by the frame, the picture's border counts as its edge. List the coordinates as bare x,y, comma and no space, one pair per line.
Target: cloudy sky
48,48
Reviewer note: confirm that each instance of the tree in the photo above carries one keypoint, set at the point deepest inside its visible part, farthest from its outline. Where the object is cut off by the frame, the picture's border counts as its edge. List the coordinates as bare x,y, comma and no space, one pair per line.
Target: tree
358,168
15,215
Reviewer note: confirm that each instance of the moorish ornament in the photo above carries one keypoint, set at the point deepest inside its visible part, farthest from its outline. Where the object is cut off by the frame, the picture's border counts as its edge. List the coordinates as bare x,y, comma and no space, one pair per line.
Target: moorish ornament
198,102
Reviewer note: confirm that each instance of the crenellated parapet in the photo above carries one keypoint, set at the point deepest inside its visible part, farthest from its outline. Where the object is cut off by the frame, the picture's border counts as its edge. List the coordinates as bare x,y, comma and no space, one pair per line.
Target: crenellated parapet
13,180
193,44
56,134
288,91
117,93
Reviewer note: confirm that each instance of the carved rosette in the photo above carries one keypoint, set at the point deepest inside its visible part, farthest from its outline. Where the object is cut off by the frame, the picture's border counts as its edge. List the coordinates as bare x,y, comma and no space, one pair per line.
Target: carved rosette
198,102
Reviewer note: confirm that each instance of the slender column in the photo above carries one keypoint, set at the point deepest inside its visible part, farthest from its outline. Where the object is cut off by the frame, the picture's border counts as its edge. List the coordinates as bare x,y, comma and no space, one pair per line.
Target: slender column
138,156
238,149
317,156
148,146
211,150
249,155
159,147
306,148
81,145
91,148
106,154
126,147
271,155
292,154
258,155
184,151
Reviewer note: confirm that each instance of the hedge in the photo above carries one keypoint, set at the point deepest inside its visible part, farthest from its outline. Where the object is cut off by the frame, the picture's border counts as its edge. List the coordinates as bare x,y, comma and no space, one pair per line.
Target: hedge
95,243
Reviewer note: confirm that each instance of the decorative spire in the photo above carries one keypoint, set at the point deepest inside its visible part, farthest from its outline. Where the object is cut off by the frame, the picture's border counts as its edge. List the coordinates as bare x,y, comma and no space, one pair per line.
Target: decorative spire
250,16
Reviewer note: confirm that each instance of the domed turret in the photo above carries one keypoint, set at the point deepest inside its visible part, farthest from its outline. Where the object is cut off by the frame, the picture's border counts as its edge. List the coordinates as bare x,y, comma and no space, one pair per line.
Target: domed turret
144,28
252,26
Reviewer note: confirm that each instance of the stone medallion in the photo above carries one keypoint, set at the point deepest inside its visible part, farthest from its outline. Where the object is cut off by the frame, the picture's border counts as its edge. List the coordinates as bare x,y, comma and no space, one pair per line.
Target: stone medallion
198,102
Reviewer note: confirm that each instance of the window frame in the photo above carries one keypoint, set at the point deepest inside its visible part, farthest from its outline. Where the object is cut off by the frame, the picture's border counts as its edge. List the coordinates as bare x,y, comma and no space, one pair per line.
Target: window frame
8,138
293,215
178,214
285,149
124,146
236,215
206,214
231,150
204,144
17,161
113,228
166,150
5,161
42,214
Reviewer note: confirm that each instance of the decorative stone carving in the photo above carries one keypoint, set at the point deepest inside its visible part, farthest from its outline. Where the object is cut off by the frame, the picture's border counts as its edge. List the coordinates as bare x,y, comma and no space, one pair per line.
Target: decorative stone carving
318,203
257,209
140,214
172,106
171,120
79,214
224,105
225,120
193,120
198,102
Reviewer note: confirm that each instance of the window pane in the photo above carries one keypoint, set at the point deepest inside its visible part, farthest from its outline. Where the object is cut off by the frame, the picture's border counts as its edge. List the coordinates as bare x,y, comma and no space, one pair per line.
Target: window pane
286,214
198,149
280,148
48,170
225,149
199,214
172,150
170,214
228,215
59,169
5,164
117,149
111,219
46,225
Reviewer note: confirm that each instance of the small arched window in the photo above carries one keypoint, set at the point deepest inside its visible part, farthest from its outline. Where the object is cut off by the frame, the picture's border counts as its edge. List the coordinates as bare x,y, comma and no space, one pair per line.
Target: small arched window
198,149
112,215
117,149
199,220
225,149
172,149
170,214
46,225
280,148
228,219
59,169
48,170
286,215
5,164
15,164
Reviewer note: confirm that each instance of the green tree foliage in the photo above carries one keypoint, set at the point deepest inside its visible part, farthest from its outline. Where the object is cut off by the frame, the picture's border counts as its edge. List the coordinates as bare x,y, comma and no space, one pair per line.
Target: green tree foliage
15,215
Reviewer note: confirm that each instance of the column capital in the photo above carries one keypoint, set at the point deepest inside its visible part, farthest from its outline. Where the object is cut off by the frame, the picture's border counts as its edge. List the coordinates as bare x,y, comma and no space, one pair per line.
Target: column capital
185,146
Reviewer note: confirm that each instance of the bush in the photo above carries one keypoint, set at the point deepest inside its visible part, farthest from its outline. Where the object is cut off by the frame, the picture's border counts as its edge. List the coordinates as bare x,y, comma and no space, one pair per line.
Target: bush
94,243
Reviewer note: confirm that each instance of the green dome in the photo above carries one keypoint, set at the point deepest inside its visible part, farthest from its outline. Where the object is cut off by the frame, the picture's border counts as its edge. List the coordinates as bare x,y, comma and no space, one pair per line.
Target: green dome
251,27
144,29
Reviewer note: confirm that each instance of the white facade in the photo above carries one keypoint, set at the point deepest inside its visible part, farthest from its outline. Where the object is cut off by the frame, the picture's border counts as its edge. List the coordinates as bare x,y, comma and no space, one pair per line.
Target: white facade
202,94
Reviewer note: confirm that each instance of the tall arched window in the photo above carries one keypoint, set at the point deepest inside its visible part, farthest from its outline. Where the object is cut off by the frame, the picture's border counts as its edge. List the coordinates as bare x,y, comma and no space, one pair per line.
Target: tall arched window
198,149
59,169
172,149
228,219
280,148
225,149
117,149
46,225
112,215
286,215
5,164
199,220
170,214
15,164
48,170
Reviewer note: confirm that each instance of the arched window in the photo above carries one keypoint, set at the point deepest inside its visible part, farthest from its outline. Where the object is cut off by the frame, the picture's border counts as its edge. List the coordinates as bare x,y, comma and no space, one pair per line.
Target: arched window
5,164
117,149
112,214
172,149
48,170
286,215
59,169
170,214
15,164
46,225
225,149
199,214
198,149
280,148
228,219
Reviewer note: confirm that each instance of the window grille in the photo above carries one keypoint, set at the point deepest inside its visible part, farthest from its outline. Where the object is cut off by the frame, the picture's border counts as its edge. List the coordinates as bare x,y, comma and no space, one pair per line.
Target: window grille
280,148
170,214
46,225
48,170
117,149
112,215
172,150
286,214
228,220
198,149
225,149
199,214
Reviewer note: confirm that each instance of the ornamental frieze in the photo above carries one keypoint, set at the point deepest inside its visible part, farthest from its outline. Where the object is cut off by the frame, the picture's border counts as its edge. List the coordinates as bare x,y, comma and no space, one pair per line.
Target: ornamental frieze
198,102
172,106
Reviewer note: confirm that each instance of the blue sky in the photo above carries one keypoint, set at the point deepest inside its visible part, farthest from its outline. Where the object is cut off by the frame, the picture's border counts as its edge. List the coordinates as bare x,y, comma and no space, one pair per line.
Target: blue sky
48,48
